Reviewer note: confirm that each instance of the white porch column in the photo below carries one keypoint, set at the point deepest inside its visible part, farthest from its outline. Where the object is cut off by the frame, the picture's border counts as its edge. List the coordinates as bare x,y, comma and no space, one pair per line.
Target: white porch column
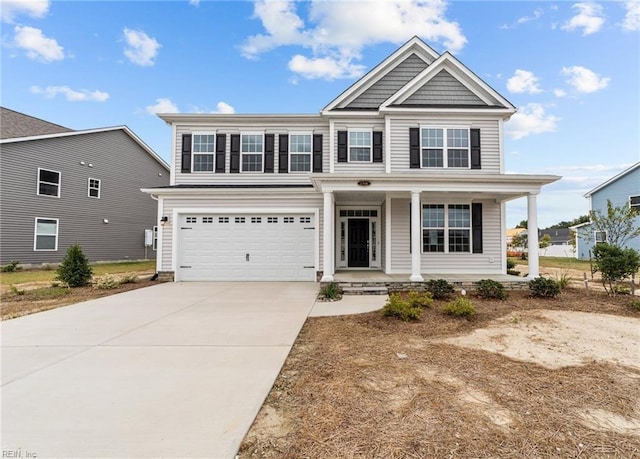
416,243
532,235
328,241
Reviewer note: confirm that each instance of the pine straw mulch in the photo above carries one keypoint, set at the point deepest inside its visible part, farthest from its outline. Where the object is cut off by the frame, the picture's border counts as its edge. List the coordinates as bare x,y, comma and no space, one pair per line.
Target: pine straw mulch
365,386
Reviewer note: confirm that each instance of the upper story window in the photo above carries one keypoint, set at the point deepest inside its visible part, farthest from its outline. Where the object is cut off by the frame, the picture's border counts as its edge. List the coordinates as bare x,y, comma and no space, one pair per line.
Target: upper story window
300,152
445,147
48,183
252,152
94,188
446,228
634,202
203,151
360,146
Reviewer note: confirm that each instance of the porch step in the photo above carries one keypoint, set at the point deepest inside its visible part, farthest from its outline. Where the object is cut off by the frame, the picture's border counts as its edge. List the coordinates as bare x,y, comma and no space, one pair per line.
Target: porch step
365,290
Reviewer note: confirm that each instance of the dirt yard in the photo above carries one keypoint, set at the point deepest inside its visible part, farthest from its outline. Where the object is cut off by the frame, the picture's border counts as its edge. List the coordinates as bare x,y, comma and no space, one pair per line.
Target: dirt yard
525,378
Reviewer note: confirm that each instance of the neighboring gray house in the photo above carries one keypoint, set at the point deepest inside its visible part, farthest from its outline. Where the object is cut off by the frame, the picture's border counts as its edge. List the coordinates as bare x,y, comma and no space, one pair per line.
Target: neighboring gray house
623,189
403,174
59,187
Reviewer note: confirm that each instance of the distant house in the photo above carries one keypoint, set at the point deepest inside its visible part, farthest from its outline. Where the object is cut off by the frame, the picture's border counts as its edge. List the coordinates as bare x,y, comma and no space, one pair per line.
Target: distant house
59,187
623,189
512,233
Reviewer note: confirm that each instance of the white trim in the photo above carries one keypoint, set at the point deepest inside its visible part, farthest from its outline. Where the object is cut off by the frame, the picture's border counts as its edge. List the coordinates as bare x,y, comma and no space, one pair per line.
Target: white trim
445,146
387,222
612,179
59,184
500,145
416,237
447,227
332,146
339,264
262,154
359,130
289,152
212,154
174,153
89,187
387,144
634,206
35,234
328,237
503,240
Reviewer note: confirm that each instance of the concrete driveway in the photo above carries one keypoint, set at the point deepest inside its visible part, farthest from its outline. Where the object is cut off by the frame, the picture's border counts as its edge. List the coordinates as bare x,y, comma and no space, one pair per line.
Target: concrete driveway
174,370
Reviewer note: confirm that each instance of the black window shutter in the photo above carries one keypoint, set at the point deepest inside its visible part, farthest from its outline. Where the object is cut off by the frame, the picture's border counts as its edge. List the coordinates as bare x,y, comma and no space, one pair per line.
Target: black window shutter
283,153
234,167
377,146
342,146
476,163
317,152
269,140
186,153
221,144
414,148
476,226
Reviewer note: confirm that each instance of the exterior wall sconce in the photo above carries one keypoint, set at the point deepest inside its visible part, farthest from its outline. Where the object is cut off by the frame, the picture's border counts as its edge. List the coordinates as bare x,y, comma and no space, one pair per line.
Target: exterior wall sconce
105,220
164,220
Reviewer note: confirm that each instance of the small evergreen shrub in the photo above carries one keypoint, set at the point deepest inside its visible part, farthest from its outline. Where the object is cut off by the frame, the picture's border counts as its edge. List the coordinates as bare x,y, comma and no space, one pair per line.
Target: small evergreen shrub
488,288
106,282
510,263
396,306
74,269
440,289
331,291
543,287
420,299
460,307
11,267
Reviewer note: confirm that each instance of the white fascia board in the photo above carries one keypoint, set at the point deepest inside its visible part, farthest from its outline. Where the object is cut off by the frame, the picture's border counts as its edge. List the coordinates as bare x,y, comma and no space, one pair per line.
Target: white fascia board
489,111
214,118
206,193
612,179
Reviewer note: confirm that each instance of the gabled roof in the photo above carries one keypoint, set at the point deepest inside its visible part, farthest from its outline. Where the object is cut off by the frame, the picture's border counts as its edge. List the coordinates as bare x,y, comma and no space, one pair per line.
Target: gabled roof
15,124
125,129
613,179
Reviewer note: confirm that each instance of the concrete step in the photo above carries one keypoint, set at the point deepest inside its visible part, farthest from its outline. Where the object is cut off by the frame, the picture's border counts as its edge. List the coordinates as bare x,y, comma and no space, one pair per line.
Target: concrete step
365,291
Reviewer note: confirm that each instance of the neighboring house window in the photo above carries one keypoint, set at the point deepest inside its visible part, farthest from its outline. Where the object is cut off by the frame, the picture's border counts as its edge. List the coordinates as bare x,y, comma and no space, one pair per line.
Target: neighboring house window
203,151
634,202
359,146
94,188
300,152
155,238
252,152
48,183
443,147
46,234
446,228
601,236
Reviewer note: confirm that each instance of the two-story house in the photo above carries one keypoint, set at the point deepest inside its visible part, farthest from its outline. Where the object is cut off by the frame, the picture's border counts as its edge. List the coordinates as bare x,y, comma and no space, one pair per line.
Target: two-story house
403,173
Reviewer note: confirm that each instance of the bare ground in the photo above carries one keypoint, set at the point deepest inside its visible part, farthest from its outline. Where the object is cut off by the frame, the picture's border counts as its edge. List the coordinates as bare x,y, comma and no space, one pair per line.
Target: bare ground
524,378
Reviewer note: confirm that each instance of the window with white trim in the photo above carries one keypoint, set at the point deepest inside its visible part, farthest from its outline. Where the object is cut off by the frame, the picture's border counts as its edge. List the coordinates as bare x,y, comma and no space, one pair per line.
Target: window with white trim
300,152
446,228
94,188
634,202
601,236
48,183
203,145
46,234
252,152
360,146
445,147
155,238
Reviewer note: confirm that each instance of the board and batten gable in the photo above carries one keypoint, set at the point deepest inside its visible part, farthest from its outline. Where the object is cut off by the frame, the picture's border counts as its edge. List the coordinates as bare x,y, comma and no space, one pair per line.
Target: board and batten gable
121,165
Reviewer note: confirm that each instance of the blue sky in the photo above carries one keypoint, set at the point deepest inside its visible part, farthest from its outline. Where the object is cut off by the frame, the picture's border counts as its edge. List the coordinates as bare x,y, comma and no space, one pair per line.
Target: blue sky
571,68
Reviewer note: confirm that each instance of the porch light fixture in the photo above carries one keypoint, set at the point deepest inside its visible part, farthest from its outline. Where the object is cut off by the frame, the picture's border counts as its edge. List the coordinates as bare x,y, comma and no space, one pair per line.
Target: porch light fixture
364,183
105,220
164,220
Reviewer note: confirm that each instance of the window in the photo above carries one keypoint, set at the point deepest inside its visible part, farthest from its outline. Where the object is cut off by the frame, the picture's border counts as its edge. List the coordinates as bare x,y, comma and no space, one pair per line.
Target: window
48,183
601,236
251,151
239,220
445,147
446,228
207,219
360,146
256,219
155,238
46,234
203,150
192,219
94,188
272,219
223,219
300,152
634,202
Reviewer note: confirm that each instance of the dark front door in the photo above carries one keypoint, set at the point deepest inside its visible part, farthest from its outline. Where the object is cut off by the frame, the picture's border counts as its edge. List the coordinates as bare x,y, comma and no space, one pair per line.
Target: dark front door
358,243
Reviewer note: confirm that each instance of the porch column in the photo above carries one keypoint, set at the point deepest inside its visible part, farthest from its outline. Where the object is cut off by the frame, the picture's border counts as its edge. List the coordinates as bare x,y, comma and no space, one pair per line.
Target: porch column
532,235
416,243
328,241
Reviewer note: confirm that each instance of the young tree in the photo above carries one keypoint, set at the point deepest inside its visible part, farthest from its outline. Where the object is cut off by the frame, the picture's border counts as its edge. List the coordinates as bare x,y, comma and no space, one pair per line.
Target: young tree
74,269
619,223
615,264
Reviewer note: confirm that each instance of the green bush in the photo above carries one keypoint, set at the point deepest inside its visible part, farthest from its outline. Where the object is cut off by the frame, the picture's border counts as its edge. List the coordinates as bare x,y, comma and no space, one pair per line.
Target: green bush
488,288
11,267
440,289
543,287
74,269
615,264
635,304
510,263
131,278
460,307
563,280
513,272
396,306
331,291
107,282
420,299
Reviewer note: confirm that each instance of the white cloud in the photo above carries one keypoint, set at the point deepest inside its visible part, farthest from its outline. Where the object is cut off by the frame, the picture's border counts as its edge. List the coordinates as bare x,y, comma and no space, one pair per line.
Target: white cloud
632,18
530,119
537,14
194,2
523,81
590,18
142,49
584,80
335,39
162,105
71,95
223,107
9,9
559,92
36,45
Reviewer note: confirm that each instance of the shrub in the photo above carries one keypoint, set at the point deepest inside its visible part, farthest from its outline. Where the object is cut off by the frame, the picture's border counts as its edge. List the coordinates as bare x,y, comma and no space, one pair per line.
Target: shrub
460,307
563,280
131,278
440,289
543,287
15,290
396,306
488,288
74,269
331,291
635,304
513,272
615,264
107,282
510,263
420,299
11,267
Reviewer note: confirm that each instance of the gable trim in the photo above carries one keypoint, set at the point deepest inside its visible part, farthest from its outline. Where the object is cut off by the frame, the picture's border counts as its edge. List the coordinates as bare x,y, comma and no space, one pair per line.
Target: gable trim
613,179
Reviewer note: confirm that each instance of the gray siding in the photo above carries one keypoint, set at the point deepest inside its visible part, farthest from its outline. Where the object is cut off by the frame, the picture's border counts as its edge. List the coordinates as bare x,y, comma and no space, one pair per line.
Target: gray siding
388,85
443,89
122,167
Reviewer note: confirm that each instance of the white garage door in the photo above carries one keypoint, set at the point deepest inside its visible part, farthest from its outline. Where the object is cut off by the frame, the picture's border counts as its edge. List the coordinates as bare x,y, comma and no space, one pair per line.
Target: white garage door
255,247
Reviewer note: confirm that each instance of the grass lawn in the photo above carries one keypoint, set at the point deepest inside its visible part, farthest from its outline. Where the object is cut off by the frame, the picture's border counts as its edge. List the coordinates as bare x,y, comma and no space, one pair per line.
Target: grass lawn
558,262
